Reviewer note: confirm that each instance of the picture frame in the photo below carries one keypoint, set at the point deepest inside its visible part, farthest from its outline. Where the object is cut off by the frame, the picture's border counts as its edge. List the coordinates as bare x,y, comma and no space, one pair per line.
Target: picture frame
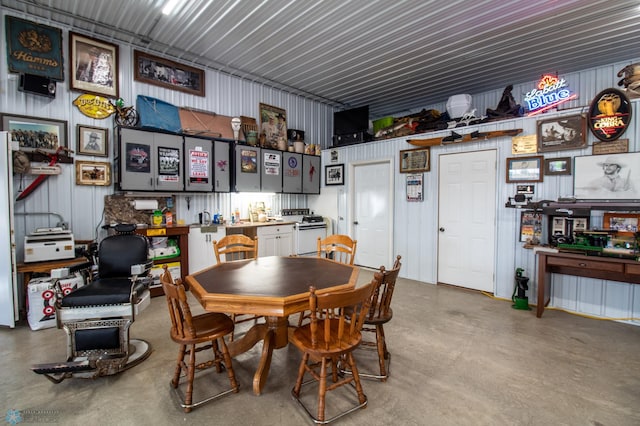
165,73
524,169
416,160
607,177
530,226
334,174
273,123
92,141
562,133
93,65
557,166
93,173
49,134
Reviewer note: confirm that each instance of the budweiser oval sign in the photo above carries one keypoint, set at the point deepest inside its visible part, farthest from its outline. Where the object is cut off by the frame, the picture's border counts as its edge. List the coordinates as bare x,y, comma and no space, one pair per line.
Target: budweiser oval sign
94,106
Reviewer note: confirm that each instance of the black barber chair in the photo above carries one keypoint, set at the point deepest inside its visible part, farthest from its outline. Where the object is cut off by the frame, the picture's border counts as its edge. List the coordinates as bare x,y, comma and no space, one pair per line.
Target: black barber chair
97,317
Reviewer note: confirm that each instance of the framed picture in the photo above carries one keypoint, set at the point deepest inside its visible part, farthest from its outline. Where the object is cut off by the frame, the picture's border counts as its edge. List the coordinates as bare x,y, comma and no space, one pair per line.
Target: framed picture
93,173
607,177
92,141
530,227
557,166
334,174
415,160
93,65
562,133
524,169
168,74
34,48
273,123
35,133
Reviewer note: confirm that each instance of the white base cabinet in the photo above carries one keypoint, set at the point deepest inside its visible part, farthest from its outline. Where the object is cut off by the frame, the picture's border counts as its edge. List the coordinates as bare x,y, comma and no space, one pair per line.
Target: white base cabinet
201,240
275,240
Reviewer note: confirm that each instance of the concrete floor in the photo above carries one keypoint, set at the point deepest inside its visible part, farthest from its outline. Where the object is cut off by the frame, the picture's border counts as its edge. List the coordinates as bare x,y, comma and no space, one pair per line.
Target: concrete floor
458,358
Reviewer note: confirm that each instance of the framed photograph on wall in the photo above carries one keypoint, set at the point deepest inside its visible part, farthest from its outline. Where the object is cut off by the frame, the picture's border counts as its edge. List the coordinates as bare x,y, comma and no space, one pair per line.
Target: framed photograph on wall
415,160
168,74
92,141
562,133
530,226
93,65
273,123
607,177
33,133
334,174
524,169
557,166
93,173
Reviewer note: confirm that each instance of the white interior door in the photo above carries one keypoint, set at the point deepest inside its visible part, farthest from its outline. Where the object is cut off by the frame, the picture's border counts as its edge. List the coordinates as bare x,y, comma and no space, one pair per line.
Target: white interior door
372,216
8,290
466,219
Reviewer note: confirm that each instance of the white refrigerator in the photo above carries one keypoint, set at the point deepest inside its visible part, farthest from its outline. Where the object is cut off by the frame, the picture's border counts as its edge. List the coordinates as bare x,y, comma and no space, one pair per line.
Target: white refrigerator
8,282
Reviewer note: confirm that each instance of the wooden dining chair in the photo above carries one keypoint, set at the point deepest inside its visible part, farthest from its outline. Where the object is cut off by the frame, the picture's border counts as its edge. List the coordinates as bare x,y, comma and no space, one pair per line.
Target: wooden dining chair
338,247
231,248
380,313
328,340
235,247
195,334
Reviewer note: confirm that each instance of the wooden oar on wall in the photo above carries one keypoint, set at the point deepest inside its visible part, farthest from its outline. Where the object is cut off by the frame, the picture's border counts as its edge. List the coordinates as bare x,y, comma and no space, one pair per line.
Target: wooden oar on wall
469,137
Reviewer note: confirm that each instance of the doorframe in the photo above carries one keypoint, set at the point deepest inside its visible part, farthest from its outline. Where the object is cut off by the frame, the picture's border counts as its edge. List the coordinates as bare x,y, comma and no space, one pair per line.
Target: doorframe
351,199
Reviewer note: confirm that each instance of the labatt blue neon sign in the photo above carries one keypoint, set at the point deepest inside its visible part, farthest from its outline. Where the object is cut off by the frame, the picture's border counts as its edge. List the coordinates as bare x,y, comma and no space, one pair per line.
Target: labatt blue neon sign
550,93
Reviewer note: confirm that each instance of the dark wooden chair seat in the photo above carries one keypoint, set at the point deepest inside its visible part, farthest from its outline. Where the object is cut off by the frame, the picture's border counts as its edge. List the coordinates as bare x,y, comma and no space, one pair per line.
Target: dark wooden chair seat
191,332
328,340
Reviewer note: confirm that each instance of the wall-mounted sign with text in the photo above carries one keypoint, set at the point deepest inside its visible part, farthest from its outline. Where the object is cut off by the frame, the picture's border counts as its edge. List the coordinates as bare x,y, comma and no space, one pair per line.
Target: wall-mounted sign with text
550,93
609,114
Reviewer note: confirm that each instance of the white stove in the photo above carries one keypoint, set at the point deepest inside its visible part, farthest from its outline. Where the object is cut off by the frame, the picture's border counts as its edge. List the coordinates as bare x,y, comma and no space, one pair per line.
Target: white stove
307,228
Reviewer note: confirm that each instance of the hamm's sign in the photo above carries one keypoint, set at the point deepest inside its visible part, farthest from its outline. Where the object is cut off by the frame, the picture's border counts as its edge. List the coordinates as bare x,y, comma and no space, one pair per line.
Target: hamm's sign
94,106
34,48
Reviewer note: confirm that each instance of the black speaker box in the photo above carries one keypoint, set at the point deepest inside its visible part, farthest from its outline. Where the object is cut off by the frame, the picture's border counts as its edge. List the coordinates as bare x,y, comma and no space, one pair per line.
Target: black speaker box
37,85
351,138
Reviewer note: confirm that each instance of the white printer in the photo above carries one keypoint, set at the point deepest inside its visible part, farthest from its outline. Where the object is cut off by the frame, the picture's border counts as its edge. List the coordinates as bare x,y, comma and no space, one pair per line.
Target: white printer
49,244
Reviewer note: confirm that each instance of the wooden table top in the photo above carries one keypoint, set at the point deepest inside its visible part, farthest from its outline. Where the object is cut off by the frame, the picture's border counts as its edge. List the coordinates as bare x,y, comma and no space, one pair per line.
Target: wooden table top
271,286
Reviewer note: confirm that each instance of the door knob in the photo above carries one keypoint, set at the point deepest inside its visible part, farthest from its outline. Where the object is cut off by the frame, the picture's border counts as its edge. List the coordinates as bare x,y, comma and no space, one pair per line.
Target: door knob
355,222
441,229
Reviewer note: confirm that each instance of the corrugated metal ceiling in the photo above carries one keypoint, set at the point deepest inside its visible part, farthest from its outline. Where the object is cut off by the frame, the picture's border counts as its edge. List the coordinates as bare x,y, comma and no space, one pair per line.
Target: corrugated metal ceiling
394,55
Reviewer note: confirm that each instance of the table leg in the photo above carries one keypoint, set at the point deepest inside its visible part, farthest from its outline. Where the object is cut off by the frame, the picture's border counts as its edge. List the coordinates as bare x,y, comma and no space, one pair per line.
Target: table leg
543,282
274,335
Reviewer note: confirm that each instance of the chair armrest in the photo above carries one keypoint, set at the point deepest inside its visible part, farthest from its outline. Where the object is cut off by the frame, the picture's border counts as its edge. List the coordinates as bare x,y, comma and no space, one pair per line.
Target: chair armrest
141,268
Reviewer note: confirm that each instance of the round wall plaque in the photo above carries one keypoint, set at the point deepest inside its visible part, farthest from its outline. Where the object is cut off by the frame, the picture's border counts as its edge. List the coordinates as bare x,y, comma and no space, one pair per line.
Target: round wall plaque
609,114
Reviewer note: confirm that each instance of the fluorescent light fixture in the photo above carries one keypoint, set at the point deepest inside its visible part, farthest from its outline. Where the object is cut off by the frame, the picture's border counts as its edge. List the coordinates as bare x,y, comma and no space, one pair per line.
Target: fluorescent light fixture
168,8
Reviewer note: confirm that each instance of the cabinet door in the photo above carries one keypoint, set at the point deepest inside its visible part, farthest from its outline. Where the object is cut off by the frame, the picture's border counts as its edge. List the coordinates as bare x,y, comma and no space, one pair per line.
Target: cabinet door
221,167
285,243
275,240
267,244
292,173
198,160
136,164
247,168
310,174
201,254
271,170
170,164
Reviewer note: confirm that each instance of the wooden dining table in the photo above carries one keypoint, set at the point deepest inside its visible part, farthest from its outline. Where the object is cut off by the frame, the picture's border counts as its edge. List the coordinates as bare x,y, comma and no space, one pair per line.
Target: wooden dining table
274,287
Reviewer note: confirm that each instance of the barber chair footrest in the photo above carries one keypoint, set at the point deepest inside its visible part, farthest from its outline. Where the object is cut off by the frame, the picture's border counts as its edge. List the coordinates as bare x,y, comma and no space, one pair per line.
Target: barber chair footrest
62,367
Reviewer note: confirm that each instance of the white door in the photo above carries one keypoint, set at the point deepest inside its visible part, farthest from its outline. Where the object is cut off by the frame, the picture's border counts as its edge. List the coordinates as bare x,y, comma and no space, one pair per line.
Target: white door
372,216
8,289
466,219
